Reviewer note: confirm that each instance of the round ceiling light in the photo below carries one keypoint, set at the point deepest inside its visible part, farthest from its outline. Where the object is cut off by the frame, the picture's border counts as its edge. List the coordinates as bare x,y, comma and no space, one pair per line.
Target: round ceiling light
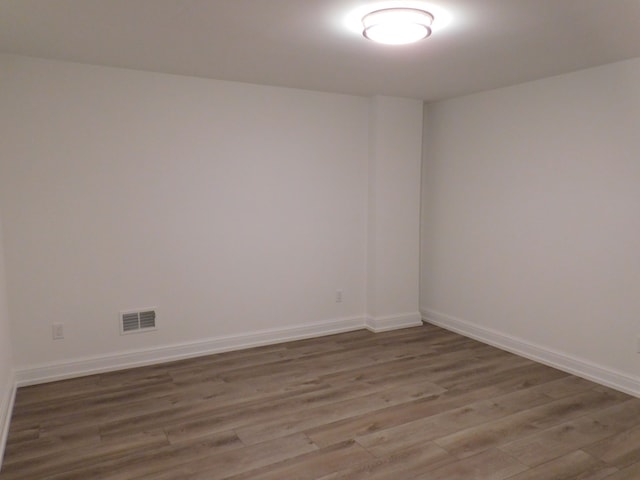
397,26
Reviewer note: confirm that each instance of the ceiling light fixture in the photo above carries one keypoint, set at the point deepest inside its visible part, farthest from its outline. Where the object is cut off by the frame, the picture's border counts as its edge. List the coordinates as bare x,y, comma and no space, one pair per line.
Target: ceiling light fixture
397,26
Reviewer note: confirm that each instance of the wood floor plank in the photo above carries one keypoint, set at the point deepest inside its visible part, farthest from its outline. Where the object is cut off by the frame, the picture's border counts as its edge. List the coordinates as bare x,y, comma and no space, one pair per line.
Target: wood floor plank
620,450
135,463
574,434
59,389
488,465
426,429
573,466
473,440
312,465
389,417
225,415
407,404
359,405
223,466
630,473
78,456
50,445
410,463
567,386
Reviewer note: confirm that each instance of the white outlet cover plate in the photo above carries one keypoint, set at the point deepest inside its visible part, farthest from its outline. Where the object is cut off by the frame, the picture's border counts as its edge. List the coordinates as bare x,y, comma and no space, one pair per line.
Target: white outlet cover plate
58,331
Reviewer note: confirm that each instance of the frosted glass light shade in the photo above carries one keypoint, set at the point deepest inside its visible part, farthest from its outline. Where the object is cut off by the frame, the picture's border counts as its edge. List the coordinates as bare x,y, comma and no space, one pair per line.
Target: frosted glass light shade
397,26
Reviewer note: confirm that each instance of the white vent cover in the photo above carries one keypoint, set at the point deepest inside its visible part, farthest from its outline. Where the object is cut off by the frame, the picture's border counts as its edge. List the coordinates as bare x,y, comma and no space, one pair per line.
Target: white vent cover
134,321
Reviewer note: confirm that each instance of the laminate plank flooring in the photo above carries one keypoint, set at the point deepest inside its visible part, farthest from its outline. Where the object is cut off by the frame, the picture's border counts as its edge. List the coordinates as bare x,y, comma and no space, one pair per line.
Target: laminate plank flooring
408,404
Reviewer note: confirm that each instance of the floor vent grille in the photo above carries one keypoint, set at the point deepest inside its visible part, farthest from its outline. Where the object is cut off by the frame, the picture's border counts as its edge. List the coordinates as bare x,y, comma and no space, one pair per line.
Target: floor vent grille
135,321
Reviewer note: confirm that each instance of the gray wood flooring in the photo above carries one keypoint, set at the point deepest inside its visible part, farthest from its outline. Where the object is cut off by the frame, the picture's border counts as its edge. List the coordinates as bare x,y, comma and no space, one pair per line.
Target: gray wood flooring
419,403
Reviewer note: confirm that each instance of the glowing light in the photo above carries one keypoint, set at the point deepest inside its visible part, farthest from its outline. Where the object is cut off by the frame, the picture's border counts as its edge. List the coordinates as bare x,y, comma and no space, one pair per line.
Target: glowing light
354,20
397,26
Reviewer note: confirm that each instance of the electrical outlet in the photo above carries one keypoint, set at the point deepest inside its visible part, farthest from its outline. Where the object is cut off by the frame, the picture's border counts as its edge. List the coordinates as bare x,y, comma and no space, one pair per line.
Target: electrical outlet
338,296
58,331
638,344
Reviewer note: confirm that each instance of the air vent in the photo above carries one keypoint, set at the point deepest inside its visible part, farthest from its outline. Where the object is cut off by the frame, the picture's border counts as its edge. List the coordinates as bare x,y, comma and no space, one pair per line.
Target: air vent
135,321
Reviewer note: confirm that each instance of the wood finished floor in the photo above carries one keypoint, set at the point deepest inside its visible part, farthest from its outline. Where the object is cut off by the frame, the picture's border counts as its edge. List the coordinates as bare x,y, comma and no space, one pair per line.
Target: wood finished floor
420,403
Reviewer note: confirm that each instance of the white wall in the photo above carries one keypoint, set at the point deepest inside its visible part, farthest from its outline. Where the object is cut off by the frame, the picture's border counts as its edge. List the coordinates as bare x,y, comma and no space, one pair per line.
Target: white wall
394,211
237,210
233,208
6,360
531,218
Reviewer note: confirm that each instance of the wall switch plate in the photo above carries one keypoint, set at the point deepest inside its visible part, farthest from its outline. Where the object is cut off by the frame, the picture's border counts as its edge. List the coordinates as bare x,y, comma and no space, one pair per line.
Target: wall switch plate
338,296
638,344
58,331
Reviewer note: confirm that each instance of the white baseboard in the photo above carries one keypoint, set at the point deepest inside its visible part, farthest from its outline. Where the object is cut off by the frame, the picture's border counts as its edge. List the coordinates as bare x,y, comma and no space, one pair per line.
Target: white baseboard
562,361
393,322
118,361
6,407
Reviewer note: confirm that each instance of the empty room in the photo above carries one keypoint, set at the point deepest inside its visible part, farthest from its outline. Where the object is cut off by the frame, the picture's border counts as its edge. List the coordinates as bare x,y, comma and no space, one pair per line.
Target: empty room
320,239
